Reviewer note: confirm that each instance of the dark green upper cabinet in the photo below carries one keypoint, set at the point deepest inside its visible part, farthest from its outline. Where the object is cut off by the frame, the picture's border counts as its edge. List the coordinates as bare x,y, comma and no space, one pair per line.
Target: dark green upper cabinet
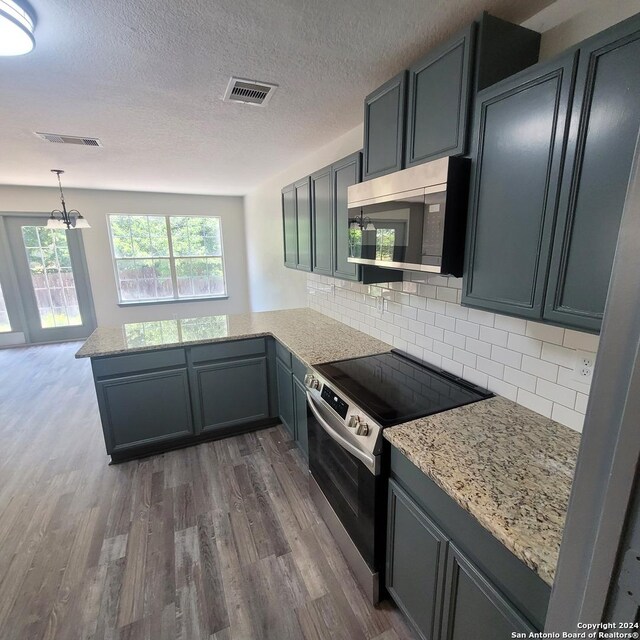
344,173
302,191
438,103
290,227
604,128
519,129
322,222
384,117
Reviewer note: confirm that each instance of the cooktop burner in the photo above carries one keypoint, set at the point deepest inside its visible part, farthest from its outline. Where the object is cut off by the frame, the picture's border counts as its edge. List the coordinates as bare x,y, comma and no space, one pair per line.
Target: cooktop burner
393,388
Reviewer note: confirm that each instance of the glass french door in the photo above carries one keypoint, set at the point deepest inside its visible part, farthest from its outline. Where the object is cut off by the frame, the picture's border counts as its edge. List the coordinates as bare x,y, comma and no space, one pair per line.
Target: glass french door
53,285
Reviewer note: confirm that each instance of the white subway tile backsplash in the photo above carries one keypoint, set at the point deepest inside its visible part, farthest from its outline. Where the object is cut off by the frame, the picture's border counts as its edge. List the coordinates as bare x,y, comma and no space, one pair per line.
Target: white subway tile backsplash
464,357
523,344
466,328
558,355
479,348
520,379
540,368
505,356
534,402
482,317
494,336
455,339
581,341
527,362
446,294
544,332
445,350
556,393
512,325
502,388
568,417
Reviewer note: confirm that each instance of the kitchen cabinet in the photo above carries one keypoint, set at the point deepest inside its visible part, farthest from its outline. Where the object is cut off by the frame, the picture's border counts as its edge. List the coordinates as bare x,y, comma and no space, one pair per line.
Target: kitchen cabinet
230,385
519,129
384,121
292,396
474,608
526,255
344,174
438,91
449,575
303,223
322,222
143,400
605,121
416,562
157,400
290,227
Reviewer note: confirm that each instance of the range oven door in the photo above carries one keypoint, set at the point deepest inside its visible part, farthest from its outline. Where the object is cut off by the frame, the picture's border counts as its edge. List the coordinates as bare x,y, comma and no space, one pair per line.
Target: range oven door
350,480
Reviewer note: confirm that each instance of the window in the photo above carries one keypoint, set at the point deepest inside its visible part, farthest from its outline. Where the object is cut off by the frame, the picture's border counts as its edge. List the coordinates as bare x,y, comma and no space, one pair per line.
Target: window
167,257
5,325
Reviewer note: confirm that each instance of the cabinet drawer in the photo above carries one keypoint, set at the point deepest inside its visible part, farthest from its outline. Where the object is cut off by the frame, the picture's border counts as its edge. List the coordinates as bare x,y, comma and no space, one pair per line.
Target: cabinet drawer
222,350
118,365
283,354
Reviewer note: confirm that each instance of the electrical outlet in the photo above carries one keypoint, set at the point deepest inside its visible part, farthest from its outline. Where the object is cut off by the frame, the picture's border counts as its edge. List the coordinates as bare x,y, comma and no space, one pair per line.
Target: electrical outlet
583,366
380,304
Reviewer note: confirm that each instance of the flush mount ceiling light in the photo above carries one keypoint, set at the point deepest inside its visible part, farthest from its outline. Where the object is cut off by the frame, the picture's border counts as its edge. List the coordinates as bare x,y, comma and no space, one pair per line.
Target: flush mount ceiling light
17,23
65,219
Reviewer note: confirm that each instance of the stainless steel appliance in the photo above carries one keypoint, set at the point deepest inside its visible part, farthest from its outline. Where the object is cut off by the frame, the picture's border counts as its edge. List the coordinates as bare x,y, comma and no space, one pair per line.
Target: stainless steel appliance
413,219
350,402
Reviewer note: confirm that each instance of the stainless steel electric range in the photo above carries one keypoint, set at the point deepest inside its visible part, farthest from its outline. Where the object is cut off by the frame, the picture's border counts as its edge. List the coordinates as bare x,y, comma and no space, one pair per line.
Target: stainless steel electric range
349,403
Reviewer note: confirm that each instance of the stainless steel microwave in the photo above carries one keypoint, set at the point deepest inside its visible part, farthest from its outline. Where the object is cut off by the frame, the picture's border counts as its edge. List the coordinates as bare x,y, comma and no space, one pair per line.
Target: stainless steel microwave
413,219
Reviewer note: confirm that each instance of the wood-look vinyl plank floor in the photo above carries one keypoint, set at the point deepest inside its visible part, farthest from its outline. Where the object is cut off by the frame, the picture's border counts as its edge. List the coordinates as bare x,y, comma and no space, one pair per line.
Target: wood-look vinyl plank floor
215,542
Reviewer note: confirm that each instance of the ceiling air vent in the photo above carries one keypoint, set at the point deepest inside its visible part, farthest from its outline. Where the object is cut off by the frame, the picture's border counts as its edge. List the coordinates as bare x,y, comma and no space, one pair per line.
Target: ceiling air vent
249,92
60,139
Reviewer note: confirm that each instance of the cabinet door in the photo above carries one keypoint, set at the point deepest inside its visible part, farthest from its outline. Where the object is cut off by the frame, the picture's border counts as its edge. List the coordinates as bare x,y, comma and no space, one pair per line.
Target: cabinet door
344,174
322,222
416,556
519,129
144,409
290,227
231,393
384,112
604,128
286,410
303,220
474,608
438,103
300,407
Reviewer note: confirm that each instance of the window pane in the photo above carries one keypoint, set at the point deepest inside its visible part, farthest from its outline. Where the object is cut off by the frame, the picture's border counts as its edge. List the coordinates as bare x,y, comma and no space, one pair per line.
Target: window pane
195,236
5,325
52,277
146,279
199,277
139,236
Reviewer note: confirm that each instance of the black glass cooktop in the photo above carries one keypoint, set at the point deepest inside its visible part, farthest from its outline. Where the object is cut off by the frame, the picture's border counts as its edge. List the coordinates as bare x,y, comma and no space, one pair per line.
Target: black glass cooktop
392,388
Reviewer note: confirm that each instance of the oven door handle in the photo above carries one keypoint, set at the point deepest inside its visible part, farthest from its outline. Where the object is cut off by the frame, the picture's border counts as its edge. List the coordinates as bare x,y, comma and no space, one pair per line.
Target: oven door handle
371,462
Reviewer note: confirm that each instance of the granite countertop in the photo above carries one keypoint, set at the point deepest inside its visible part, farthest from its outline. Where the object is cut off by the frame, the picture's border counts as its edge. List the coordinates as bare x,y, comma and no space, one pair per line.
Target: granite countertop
507,466
312,336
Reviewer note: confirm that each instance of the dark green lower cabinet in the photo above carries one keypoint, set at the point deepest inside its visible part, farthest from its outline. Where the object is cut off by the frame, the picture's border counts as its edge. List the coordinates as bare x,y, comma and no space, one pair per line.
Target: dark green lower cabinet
300,410
450,577
285,397
416,560
144,409
474,608
231,393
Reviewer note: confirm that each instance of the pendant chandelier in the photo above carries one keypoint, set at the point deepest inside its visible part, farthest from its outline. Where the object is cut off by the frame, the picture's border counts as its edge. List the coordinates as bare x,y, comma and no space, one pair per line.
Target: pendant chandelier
64,219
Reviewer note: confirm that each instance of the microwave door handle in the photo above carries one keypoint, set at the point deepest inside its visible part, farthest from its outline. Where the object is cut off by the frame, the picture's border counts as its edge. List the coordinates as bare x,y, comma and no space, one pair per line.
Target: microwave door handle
369,461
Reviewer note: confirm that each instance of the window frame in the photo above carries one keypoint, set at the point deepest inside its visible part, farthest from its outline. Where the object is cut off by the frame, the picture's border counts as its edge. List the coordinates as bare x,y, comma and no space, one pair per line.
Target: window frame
171,259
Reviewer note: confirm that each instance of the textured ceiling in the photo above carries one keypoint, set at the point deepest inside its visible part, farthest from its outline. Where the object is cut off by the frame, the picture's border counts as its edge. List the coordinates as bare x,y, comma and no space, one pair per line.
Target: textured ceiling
147,78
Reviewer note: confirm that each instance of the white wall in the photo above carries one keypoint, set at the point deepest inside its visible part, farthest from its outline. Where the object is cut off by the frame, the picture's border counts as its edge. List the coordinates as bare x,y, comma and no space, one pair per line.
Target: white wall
95,205
271,285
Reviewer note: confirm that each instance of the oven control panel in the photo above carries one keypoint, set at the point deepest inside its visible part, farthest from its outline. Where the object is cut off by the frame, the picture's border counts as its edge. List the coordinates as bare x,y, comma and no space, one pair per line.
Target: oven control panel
334,401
